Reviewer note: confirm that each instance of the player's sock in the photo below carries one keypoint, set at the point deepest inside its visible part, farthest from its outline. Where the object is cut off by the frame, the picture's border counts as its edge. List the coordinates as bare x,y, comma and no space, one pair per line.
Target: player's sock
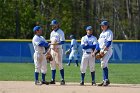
105,73
82,77
43,77
62,73
93,76
36,76
69,62
77,62
53,74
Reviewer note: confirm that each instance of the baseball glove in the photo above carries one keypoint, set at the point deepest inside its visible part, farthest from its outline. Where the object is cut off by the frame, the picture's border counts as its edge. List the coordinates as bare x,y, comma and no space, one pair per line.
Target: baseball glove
49,57
100,55
67,52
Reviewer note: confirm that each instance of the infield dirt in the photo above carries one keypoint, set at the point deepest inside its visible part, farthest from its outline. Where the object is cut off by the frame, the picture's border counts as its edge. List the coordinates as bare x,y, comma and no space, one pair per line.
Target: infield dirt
30,87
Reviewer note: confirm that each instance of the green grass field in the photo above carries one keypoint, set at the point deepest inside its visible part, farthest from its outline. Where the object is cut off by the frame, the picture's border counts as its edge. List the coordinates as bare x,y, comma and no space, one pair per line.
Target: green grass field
118,73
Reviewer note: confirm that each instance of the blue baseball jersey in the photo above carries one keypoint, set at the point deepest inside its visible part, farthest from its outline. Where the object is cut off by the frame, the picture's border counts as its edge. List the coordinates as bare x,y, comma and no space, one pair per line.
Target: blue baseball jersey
58,36
36,41
92,40
74,44
105,36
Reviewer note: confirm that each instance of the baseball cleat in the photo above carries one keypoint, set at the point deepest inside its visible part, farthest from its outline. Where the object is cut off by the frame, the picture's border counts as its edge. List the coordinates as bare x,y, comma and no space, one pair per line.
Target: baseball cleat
52,82
101,84
81,83
93,83
37,82
106,83
62,82
68,64
45,82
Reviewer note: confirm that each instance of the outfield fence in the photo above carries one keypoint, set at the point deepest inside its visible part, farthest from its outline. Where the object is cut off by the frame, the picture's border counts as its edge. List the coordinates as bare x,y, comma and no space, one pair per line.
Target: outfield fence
21,51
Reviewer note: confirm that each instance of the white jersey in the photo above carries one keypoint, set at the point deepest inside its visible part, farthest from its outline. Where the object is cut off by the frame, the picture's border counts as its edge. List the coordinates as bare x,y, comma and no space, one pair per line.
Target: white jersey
58,36
36,41
75,44
104,37
90,41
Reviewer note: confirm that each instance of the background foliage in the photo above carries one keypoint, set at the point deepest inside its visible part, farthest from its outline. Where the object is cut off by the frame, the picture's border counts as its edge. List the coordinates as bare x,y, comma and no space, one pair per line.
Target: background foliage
18,17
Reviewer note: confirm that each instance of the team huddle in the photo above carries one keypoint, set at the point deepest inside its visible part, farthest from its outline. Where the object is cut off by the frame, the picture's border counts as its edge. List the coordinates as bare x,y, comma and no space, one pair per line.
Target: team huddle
90,47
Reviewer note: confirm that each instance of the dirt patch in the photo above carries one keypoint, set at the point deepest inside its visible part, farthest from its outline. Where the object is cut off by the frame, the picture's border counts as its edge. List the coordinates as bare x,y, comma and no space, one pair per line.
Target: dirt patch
29,87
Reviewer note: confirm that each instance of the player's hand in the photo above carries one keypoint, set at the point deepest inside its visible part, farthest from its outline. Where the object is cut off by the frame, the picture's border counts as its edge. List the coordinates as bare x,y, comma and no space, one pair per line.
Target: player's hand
102,53
93,54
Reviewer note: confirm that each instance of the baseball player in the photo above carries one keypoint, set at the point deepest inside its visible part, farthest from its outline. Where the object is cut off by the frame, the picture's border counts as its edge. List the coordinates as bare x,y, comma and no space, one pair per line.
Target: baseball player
105,44
39,44
57,38
89,45
74,51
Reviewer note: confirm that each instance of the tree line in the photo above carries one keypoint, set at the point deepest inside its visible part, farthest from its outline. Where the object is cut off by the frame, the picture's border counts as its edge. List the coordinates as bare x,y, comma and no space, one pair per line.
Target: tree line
18,17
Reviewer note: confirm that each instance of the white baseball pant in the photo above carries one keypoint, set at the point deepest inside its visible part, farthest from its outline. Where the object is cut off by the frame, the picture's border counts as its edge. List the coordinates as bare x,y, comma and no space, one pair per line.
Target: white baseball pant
105,59
87,60
40,63
57,55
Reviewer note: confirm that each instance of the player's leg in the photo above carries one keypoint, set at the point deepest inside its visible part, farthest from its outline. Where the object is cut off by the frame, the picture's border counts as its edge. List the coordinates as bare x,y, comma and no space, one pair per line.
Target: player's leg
76,57
53,67
37,68
104,66
83,67
44,70
59,57
92,69
70,58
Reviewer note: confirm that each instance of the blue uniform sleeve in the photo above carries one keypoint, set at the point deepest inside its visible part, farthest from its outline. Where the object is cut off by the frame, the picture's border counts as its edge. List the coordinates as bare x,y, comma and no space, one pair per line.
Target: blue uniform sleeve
71,47
85,47
62,42
43,44
92,46
108,43
97,47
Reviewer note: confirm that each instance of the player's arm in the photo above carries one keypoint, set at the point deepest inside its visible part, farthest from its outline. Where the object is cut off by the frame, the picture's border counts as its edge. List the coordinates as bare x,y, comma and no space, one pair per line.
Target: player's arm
97,48
109,42
43,44
84,44
62,39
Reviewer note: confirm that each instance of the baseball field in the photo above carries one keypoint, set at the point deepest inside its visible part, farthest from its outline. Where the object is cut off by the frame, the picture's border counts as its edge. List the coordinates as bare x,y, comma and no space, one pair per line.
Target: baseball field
19,78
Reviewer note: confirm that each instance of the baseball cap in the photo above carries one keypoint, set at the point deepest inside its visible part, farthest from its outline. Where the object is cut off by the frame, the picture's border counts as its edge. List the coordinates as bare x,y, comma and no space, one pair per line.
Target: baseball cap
54,22
36,28
72,36
88,27
104,23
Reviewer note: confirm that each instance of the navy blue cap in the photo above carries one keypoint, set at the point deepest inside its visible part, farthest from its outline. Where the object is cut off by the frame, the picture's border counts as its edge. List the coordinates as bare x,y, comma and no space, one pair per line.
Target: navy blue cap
36,28
88,27
72,36
54,22
104,23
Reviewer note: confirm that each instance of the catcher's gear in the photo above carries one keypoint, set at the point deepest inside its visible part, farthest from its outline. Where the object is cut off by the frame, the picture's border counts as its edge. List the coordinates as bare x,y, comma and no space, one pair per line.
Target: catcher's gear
67,52
49,57
100,54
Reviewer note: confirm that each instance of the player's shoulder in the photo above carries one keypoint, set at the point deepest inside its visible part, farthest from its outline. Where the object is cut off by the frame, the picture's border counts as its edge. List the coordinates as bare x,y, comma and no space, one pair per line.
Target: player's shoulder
35,38
109,31
60,30
83,37
94,37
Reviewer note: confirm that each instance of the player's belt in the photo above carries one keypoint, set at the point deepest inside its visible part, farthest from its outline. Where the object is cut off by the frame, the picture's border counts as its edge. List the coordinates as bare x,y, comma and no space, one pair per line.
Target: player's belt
88,52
